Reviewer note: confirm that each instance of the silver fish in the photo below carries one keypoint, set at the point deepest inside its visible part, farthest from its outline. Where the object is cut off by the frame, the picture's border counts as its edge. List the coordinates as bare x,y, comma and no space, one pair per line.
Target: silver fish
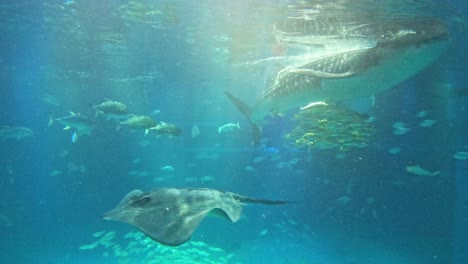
14,132
140,121
79,123
167,129
420,171
112,109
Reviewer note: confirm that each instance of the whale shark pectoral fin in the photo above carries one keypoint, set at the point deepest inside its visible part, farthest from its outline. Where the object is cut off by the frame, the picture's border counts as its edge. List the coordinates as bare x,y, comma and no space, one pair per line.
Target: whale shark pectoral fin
323,75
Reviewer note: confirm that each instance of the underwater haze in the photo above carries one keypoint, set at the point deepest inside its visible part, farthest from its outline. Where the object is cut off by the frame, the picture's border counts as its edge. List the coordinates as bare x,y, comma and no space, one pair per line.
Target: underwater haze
336,131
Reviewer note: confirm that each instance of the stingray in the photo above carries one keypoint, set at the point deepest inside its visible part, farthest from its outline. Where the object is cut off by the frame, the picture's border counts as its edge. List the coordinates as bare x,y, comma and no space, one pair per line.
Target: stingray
170,216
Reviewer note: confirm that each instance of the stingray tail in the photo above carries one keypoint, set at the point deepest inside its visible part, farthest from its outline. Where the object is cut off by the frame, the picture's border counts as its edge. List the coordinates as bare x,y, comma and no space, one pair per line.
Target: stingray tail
246,199
246,110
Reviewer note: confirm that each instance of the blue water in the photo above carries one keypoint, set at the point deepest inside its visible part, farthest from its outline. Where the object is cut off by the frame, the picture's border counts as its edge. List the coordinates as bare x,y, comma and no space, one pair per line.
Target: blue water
179,58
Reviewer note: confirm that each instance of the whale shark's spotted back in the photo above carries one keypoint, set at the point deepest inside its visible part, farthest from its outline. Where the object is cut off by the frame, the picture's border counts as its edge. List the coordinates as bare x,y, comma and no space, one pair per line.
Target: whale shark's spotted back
400,50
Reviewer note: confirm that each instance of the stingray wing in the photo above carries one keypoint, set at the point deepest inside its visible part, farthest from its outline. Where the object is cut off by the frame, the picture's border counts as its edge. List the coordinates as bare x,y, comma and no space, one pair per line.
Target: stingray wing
169,226
169,215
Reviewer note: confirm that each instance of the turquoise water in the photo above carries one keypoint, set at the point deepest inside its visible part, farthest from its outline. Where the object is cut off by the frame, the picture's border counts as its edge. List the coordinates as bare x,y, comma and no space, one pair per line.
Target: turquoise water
376,179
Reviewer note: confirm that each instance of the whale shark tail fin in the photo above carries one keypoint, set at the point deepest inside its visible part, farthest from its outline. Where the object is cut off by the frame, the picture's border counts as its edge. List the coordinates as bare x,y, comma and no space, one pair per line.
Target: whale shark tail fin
246,110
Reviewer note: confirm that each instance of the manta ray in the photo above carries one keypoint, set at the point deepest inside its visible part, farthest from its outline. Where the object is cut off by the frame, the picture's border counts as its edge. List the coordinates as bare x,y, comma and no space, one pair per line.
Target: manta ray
170,216
400,51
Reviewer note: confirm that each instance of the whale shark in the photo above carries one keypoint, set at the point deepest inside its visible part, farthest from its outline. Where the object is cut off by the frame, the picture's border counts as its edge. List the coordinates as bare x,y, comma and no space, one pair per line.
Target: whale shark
399,52
170,216
326,30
